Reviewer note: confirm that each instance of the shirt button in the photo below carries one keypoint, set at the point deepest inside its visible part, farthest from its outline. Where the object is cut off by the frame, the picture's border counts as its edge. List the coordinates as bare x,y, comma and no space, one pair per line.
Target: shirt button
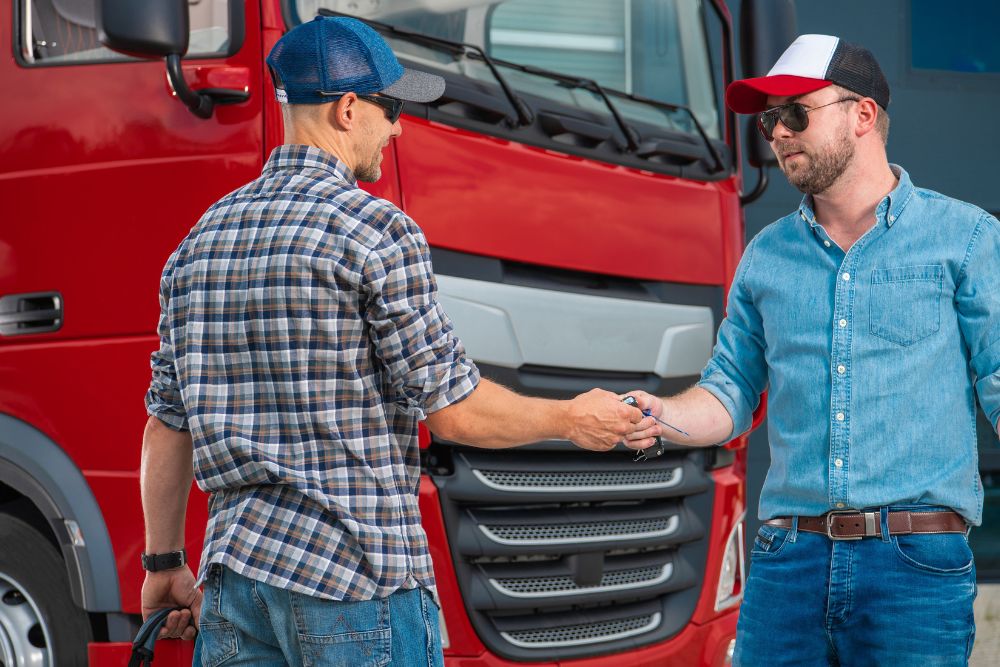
842,323
846,276
842,369
839,463
839,505
892,218
840,416
826,243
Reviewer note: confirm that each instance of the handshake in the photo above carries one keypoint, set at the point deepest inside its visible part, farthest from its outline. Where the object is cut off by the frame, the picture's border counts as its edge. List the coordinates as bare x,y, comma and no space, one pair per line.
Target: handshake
599,420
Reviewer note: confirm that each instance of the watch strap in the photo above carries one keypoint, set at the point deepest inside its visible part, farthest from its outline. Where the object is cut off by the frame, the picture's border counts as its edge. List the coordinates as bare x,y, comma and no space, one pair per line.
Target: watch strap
170,560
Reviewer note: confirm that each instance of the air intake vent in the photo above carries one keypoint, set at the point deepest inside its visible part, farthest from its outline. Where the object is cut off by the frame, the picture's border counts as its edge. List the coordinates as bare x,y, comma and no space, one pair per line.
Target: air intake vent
565,585
569,554
582,532
579,635
598,480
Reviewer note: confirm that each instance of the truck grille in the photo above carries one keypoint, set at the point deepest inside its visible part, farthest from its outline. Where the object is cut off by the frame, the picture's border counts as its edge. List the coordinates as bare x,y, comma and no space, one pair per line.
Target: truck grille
578,635
562,553
550,586
581,532
599,480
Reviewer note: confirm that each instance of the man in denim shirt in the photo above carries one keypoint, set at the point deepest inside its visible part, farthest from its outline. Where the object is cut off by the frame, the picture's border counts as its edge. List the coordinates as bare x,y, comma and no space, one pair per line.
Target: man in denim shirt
871,315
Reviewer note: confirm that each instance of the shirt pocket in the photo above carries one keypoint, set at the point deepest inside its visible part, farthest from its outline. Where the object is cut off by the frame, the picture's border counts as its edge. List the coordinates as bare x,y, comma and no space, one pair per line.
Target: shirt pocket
906,303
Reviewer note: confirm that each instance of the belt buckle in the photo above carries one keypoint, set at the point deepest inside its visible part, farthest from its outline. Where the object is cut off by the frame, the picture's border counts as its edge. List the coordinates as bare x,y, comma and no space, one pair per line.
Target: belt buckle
830,516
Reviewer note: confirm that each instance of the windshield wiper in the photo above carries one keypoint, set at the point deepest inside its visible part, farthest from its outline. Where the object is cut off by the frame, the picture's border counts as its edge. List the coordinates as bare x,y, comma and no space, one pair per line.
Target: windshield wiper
593,86
524,116
679,107
585,84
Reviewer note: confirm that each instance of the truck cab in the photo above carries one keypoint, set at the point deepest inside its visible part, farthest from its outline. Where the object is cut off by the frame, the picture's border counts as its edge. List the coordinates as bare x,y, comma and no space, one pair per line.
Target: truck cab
580,188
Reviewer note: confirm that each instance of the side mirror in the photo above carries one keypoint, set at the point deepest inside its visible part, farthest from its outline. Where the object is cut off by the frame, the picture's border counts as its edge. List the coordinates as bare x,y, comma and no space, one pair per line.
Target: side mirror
147,29
767,27
159,29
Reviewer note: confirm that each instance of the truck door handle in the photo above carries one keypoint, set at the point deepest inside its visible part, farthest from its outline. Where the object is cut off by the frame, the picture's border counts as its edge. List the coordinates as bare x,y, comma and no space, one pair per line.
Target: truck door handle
37,312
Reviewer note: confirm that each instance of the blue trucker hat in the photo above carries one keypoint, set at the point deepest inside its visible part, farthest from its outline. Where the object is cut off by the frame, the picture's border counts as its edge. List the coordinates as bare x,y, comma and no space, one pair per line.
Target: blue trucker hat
338,54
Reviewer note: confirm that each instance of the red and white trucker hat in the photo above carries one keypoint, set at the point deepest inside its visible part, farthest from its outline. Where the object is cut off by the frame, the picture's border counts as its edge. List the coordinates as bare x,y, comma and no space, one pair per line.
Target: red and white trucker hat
810,63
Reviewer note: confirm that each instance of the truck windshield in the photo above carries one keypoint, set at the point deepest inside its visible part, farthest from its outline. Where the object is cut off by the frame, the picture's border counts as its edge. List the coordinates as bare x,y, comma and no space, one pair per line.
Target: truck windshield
654,49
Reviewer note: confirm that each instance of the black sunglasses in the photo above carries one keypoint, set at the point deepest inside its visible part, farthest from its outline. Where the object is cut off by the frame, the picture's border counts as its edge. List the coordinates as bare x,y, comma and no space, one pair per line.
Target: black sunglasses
392,106
794,116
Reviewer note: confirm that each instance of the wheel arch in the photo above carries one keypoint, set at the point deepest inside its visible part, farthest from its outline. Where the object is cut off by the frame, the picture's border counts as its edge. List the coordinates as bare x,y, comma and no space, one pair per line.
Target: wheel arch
41,471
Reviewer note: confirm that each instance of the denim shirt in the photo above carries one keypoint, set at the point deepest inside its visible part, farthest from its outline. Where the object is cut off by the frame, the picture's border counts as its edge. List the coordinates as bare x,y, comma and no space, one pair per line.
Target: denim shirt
871,358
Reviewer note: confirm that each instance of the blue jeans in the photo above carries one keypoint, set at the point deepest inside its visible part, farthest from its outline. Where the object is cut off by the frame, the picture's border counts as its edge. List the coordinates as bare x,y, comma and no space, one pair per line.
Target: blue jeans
246,622
897,600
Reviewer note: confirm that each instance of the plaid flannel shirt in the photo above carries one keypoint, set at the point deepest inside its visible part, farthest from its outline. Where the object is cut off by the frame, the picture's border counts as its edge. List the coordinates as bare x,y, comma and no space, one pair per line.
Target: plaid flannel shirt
301,341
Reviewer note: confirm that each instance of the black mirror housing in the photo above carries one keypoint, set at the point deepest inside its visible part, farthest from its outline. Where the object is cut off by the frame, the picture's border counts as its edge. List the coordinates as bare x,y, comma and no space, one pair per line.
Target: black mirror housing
147,29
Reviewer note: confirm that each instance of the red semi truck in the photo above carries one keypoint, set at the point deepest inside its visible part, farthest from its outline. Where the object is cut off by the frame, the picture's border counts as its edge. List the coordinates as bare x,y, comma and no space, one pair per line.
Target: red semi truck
580,187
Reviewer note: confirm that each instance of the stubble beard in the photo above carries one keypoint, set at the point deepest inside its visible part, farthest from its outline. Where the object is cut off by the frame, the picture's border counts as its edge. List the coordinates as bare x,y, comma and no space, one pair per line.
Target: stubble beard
371,170
816,172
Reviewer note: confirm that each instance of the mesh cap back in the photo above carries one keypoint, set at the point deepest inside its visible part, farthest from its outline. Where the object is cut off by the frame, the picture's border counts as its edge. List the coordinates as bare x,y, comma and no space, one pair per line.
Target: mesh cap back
336,55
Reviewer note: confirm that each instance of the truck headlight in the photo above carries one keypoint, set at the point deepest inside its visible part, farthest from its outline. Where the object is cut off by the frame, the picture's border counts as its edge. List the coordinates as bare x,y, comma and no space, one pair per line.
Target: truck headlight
732,573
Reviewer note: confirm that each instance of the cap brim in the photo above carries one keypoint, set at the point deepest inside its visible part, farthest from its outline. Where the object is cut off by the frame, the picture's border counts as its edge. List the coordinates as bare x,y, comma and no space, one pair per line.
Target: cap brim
416,86
750,95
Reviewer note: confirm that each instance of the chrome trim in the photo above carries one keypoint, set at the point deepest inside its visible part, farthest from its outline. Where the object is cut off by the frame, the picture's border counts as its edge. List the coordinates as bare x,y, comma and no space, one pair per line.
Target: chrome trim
28,46
676,476
652,625
666,572
672,525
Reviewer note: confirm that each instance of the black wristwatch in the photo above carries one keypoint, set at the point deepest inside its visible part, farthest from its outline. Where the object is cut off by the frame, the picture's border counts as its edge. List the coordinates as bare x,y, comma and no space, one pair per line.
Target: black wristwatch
168,561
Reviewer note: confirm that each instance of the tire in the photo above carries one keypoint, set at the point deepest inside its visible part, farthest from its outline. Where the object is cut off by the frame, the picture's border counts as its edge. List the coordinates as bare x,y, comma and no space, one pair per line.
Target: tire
39,622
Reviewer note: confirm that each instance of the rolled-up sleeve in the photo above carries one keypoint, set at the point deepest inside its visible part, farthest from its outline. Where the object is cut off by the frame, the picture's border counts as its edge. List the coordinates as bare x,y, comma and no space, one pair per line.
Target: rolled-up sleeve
977,299
737,372
163,399
412,335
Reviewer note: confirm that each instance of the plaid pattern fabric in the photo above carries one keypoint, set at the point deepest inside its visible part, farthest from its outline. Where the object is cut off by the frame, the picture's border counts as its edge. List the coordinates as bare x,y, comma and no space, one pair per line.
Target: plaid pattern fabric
300,342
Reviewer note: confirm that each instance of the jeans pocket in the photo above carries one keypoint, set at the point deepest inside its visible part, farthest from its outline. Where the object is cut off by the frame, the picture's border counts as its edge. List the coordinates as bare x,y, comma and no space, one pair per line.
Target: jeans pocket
218,643
342,633
770,540
906,303
937,553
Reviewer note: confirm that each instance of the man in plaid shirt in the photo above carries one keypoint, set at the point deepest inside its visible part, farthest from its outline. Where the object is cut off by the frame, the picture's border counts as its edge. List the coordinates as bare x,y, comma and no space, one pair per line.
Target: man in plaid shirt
301,342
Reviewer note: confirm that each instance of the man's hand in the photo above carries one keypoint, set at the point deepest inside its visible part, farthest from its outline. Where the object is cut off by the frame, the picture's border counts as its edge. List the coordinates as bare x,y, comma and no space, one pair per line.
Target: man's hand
598,420
173,588
645,435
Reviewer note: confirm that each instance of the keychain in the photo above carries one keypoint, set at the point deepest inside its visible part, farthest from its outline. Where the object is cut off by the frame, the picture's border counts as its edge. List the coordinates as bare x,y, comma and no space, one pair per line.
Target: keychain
658,447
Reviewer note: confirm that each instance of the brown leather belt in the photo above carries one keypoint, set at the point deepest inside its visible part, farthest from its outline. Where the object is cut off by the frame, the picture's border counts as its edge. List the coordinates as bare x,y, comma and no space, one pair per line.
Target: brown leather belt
851,525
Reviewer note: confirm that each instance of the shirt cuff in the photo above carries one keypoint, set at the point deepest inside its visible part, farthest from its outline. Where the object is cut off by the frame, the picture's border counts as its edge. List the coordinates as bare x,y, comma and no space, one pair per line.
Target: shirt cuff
461,380
168,415
732,400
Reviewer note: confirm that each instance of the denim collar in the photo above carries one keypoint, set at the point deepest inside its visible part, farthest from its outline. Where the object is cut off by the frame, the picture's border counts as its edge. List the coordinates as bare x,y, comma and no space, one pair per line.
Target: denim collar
888,210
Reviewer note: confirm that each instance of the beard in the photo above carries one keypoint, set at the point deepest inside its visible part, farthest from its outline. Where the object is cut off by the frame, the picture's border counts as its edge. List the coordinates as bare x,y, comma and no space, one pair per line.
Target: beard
370,169
814,172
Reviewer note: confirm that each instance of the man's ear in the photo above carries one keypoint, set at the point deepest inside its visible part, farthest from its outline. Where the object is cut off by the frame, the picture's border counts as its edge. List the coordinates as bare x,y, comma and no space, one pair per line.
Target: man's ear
344,112
868,112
